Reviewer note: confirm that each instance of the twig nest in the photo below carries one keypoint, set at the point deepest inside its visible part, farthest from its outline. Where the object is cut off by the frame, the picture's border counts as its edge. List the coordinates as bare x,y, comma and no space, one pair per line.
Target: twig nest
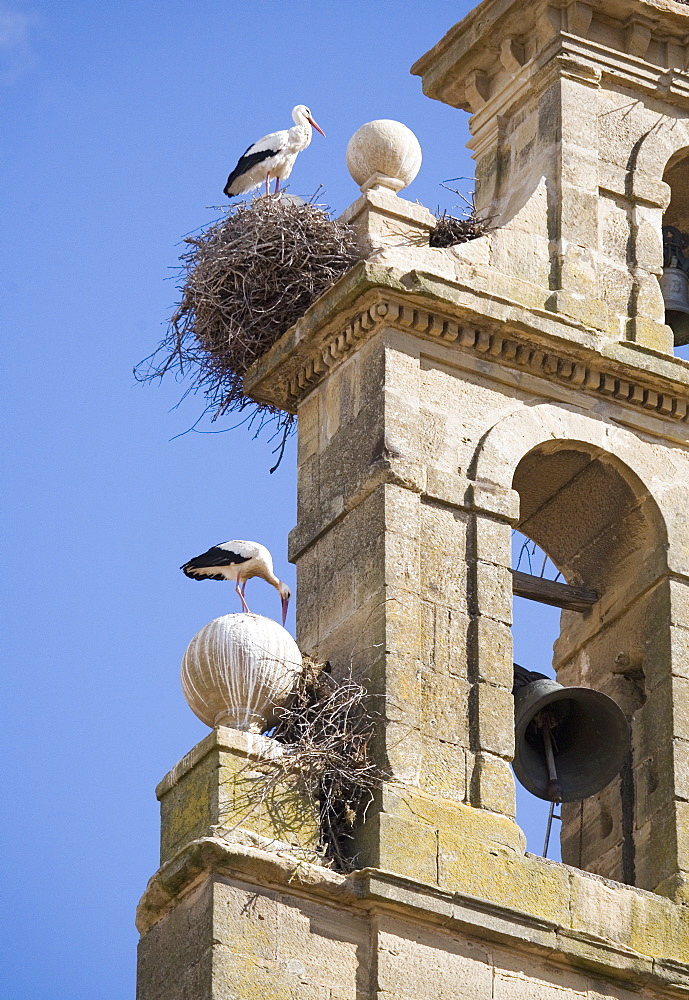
238,670
246,279
450,232
383,154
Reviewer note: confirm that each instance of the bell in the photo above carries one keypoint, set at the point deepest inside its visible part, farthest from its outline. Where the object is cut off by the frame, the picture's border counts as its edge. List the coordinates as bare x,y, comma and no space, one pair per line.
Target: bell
674,285
570,741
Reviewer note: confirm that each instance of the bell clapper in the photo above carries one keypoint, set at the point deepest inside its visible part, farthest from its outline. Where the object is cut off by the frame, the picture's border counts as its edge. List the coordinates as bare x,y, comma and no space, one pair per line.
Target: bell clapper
546,723
551,817
554,787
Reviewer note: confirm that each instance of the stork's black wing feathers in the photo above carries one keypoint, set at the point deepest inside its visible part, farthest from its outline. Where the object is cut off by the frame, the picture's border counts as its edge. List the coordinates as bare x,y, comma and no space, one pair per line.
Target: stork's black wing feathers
246,162
193,575
214,557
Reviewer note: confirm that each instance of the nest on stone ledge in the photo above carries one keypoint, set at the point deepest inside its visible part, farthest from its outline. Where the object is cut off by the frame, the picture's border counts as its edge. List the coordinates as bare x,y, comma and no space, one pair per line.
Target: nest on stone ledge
246,279
326,731
450,231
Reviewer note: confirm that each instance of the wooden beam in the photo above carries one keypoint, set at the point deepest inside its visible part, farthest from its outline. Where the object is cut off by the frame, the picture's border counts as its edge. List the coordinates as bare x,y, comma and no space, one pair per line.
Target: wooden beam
560,595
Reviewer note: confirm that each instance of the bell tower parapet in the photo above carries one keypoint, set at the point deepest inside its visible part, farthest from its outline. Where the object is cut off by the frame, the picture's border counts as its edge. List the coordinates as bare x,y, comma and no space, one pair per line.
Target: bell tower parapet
403,376
446,397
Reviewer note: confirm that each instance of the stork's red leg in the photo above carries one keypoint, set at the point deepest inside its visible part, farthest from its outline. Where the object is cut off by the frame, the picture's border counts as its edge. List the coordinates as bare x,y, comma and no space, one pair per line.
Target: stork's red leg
240,590
267,186
277,185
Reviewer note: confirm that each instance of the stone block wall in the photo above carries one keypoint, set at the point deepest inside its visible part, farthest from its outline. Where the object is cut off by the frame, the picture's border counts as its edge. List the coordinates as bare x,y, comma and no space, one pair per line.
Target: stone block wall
219,789
404,576
248,925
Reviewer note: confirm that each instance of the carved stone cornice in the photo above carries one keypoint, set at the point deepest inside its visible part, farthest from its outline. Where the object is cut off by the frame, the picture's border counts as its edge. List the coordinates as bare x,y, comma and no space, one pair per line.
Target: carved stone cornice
611,375
450,68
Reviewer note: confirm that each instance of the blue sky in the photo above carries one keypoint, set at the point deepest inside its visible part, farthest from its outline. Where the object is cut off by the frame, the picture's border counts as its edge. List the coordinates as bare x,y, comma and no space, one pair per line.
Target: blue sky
121,122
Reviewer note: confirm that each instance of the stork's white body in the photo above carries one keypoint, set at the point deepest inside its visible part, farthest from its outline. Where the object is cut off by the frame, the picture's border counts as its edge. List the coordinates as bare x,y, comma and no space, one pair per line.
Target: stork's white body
239,561
273,156
283,148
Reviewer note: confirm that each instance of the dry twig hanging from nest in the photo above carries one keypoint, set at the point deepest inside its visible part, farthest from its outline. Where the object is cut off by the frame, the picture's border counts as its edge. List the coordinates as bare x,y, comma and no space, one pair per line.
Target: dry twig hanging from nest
326,732
246,279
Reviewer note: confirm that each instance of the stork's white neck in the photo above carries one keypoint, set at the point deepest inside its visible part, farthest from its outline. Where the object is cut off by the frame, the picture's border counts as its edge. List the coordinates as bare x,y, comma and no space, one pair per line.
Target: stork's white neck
300,135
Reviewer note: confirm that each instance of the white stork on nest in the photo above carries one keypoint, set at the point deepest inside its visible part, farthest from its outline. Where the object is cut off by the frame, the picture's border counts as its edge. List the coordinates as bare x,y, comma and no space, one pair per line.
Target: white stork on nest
238,561
272,156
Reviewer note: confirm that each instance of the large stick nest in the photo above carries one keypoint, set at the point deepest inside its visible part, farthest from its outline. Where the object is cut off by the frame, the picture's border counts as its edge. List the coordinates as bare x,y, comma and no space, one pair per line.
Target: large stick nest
327,729
247,279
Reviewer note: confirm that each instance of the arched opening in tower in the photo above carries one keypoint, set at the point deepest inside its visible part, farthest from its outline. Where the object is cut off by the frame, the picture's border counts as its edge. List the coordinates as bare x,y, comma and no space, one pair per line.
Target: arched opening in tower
602,531
535,627
675,278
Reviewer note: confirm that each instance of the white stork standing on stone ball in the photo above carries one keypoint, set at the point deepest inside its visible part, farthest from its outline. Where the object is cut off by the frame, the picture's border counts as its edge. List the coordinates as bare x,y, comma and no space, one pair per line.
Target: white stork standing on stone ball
239,561
272,156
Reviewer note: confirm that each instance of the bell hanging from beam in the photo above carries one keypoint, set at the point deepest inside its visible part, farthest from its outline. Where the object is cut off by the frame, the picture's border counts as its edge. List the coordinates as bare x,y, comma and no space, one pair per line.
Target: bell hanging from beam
570,741
674,283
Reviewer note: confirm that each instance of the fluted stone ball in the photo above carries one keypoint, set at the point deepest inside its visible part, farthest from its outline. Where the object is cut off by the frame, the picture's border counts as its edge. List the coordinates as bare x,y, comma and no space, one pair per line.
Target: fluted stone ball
383,153
238,670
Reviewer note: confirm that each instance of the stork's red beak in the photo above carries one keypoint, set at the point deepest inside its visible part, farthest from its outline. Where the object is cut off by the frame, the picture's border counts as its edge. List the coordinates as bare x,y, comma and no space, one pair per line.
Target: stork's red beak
285,602
317,127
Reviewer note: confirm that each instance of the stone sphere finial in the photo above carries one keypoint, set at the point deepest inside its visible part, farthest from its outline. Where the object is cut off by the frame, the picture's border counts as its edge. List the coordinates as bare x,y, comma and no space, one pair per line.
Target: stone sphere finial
383,155
238,670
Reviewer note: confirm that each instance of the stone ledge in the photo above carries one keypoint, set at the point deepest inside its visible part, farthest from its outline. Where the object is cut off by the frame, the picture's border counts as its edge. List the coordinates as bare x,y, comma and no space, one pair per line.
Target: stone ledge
249,745
213,855
503,925
662,966
371,298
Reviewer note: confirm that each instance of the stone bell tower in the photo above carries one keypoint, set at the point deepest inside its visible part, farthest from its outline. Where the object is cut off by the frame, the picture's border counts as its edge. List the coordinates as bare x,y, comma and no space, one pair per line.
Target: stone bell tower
445,397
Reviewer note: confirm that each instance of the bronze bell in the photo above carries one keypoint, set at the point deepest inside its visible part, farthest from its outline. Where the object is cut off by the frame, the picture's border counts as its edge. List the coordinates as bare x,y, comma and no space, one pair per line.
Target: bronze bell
674,282
570,741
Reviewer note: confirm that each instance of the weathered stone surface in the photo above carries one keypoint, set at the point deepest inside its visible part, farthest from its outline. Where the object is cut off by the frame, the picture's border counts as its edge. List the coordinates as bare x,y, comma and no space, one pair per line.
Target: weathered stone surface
493,591
415,963
492,785
444,566
256,922
218,789
496,872
444,636
492,649
512,981
443,770
401,843
174,958
493,705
